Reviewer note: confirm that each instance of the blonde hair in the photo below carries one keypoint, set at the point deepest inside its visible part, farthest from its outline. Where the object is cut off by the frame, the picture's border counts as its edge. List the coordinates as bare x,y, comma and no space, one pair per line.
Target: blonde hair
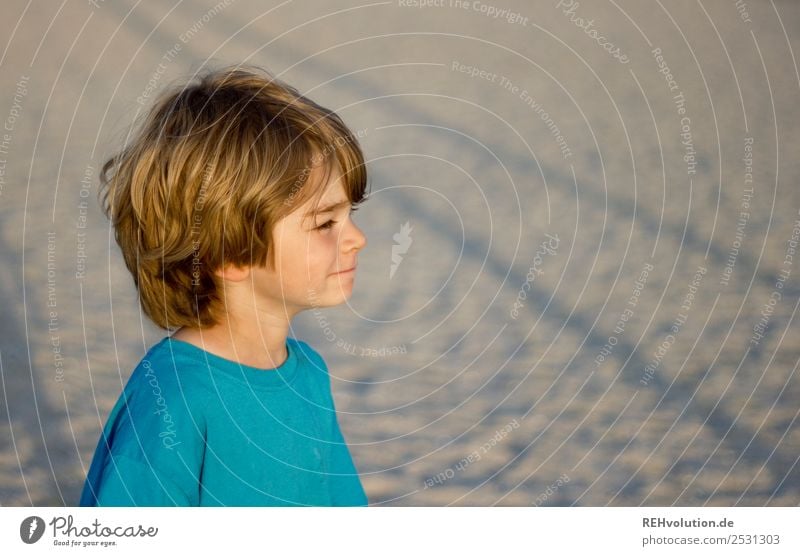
202,183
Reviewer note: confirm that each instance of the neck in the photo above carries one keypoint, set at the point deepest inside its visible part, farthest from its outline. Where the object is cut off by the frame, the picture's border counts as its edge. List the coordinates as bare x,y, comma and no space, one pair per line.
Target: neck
253,337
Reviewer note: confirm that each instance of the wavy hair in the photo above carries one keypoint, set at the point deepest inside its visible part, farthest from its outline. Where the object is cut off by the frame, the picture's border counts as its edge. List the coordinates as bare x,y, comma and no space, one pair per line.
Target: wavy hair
214,166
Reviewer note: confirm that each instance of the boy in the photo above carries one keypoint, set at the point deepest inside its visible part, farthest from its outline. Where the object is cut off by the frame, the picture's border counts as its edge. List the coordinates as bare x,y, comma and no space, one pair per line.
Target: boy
232,210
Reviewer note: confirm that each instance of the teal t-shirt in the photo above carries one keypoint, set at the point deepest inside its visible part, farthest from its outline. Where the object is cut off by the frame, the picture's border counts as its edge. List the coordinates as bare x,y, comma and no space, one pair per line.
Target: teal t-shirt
194,429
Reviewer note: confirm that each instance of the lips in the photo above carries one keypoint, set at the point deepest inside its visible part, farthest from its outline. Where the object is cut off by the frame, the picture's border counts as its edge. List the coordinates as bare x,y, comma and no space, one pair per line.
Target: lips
351,269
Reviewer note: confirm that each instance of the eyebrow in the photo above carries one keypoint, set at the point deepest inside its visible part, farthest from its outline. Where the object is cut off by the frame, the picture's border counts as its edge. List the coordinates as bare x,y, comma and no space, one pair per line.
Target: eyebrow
329,208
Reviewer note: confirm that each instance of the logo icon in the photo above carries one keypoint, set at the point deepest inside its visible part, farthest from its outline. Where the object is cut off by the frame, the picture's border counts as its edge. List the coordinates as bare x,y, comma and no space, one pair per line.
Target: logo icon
402,243
31,529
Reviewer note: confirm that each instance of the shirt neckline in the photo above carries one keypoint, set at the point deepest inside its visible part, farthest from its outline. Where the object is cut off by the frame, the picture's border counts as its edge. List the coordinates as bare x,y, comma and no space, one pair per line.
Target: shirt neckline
270,379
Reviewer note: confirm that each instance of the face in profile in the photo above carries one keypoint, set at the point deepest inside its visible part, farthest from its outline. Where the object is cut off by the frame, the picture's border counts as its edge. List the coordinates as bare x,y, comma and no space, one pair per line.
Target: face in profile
316,252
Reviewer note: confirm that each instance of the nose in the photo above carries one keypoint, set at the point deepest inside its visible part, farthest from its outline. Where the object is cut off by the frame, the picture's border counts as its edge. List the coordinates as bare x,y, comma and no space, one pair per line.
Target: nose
354,239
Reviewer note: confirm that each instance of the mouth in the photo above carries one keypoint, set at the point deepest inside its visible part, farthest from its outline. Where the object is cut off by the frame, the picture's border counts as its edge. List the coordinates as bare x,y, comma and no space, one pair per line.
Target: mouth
345,271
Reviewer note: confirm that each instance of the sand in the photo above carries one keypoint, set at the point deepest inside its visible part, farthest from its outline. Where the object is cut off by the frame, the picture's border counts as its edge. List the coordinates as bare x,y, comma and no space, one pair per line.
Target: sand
651,357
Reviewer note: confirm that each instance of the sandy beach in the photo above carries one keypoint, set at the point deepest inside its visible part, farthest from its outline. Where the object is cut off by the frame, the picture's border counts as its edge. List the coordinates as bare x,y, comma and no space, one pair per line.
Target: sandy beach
582,278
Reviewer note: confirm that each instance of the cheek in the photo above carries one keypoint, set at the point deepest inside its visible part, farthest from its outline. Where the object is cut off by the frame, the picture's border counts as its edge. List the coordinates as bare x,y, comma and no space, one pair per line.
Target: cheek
323,247
314,257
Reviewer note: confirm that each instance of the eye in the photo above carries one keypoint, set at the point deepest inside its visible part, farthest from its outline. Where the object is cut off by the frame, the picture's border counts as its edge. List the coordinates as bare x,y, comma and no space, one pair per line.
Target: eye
329,224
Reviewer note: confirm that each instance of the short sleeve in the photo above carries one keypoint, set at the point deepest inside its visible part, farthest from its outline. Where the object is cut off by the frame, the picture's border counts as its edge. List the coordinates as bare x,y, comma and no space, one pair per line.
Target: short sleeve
152,448
128,482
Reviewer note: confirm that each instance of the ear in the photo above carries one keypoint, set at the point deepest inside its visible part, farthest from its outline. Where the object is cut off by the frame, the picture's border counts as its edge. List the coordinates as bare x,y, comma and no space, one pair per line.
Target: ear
233,273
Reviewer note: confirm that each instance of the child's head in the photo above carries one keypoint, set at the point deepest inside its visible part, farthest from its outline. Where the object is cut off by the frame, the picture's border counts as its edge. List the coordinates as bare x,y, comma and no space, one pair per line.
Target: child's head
228,172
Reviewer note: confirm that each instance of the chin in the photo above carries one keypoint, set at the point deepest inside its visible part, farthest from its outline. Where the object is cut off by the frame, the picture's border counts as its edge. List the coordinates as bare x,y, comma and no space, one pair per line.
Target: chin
341,296
330,299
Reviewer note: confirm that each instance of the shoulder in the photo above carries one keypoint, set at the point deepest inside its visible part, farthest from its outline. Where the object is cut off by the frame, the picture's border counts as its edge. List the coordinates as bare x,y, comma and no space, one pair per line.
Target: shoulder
159,412
164,362
164,376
